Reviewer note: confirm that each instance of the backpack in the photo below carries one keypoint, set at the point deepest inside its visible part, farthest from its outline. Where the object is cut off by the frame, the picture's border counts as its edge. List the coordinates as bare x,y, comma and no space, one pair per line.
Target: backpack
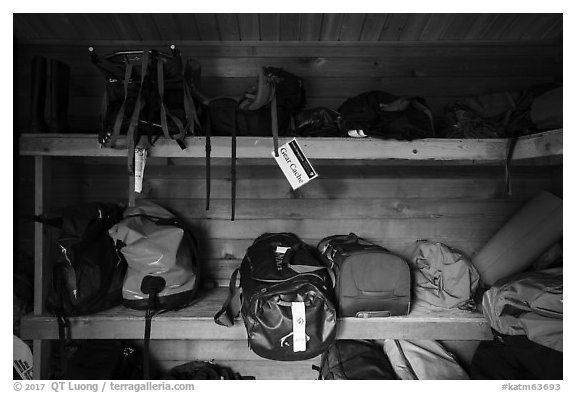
272,103
443,276
528,304
163,266
383,115
87,276
287,299
370,280
355,359
147,93
423,360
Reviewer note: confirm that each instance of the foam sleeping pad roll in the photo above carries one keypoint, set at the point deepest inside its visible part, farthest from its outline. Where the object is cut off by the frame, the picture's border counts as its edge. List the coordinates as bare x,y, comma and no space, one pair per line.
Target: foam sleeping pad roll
527,235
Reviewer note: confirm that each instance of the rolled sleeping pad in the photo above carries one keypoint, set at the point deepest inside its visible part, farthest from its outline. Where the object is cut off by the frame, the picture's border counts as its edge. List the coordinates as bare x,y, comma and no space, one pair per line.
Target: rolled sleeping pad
526,236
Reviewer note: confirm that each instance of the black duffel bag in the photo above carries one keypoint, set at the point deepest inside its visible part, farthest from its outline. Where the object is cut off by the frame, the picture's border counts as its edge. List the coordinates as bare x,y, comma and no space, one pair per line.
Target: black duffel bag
287,299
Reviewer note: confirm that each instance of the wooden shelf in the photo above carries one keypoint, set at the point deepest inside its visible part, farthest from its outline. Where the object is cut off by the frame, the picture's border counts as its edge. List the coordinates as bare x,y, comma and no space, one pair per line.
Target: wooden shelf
196,323
545,146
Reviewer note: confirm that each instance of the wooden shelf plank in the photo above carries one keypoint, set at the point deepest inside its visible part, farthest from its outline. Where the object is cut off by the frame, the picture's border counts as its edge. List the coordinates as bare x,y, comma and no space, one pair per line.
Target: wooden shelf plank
537,146
196,323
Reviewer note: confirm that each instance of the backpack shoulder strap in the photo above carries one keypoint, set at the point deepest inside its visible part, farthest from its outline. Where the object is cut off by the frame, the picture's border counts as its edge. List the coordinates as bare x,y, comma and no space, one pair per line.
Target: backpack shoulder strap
231,306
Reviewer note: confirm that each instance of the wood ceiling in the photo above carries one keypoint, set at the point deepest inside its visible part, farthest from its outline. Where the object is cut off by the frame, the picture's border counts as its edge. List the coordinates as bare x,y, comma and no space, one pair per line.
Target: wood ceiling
82,28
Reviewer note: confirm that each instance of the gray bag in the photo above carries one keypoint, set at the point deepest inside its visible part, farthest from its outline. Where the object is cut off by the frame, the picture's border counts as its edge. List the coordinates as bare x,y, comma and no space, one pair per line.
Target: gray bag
443,276
528,304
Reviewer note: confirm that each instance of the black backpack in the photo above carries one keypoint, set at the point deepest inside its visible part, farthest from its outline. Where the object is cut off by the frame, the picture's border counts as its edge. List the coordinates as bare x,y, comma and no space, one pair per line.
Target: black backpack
88,274
383,115
287,300
271,104
355,359
147,93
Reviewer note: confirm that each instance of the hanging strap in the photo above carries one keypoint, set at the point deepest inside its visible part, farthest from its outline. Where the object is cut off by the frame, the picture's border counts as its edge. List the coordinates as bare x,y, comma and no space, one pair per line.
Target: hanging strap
507,168
274,116
164,112
233,163
208,152
111,141
130,142
63,334
231,306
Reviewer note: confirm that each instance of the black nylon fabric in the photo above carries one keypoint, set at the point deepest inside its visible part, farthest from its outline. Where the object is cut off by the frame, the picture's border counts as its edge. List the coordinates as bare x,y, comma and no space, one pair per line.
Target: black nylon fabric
355,360
88,274
269,285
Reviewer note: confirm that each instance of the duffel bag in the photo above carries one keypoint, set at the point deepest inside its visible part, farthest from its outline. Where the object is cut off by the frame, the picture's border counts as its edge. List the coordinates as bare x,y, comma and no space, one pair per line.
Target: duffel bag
370,280
287,299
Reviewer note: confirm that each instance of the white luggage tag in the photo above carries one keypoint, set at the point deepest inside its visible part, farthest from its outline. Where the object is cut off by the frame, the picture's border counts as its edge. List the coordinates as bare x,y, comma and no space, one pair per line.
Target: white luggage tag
299,326
139,164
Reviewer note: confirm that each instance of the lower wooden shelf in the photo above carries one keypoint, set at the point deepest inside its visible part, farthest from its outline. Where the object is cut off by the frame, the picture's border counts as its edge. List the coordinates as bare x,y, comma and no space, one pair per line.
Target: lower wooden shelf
195,323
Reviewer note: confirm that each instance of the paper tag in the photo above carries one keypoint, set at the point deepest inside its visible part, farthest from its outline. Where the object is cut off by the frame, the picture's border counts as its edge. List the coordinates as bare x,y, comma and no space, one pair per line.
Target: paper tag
294,164
139,164
299,326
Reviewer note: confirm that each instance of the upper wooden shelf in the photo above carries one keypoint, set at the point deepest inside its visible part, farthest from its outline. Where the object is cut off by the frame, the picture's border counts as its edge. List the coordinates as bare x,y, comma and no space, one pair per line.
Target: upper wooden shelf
545,146
196,323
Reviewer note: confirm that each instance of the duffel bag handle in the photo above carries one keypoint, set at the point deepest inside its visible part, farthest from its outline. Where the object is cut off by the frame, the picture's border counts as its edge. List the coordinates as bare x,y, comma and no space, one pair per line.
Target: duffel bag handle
231,306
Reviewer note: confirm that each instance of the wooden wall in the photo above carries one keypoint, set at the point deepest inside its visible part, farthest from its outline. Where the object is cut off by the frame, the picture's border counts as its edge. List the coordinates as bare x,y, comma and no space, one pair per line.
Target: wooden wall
332,72
392,205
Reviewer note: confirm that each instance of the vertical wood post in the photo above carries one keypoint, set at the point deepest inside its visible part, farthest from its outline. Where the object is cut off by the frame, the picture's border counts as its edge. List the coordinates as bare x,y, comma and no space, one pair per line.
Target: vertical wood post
42,174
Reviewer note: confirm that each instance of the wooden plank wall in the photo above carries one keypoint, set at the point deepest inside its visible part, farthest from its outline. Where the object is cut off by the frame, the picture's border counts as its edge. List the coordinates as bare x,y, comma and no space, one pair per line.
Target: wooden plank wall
392,205
332,72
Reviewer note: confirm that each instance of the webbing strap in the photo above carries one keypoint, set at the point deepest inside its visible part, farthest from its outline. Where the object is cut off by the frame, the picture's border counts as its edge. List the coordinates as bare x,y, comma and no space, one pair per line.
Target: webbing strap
147,329
164,112
233,164
208,151
274,116
130,142
111,141
231,306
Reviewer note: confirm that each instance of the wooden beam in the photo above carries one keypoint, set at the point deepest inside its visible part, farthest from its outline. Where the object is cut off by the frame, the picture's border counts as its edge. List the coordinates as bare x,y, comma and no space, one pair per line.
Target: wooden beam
196,323
543,145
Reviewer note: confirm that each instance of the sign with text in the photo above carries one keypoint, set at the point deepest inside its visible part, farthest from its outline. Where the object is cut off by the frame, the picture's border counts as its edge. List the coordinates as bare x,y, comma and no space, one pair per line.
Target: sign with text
294,164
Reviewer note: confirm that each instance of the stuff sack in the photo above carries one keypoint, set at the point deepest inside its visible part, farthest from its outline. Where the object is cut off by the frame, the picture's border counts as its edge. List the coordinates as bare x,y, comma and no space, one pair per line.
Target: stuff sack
383,115
87,276
422,359
163,267
157,247
147,93
355,359
443,276
370,280
528,304
287,299
318,122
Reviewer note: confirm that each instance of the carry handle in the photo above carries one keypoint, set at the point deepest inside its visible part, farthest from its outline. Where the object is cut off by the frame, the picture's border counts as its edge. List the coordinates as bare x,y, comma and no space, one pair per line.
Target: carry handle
231,306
